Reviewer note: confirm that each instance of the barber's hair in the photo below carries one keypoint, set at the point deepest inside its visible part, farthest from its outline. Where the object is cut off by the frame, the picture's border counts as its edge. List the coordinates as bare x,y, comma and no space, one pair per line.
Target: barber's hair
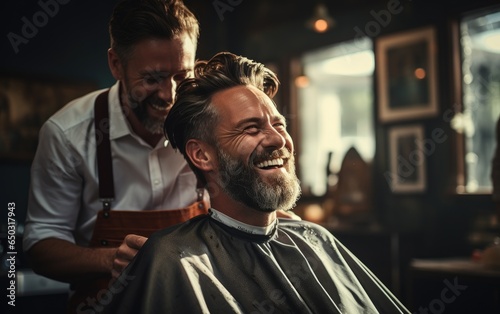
192,116
135,20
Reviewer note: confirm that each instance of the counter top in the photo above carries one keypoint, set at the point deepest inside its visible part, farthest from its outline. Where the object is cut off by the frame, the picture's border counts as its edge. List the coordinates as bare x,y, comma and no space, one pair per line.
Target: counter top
462,266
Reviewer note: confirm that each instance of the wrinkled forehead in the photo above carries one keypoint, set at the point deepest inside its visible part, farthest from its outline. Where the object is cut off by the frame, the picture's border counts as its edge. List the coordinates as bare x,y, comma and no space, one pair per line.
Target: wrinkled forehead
242,102
164,54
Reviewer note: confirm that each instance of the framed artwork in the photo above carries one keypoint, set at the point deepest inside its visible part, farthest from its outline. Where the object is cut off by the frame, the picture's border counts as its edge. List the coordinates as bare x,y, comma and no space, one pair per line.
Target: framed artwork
407,75
407,159
25,104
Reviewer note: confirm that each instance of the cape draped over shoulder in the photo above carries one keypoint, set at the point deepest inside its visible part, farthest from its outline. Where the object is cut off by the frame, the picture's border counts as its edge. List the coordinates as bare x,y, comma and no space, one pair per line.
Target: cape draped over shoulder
204,266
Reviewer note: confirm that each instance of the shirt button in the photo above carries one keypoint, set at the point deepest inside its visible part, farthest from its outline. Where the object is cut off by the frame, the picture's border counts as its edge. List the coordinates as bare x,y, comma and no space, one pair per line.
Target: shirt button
156,182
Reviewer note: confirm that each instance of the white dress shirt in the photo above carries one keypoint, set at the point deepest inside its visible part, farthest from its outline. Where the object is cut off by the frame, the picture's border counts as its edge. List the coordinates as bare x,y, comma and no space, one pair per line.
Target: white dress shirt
63,200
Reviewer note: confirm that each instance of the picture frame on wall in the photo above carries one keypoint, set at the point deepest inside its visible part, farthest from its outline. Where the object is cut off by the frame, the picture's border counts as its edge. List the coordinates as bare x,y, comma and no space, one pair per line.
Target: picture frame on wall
25,104
407,170
406,72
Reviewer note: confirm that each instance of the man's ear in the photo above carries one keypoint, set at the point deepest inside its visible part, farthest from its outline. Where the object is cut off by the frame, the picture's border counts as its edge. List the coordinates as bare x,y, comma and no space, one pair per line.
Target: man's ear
115,65
200,154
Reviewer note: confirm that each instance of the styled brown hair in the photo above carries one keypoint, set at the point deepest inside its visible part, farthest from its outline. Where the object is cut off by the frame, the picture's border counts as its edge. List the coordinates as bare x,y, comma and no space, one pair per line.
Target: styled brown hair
135,20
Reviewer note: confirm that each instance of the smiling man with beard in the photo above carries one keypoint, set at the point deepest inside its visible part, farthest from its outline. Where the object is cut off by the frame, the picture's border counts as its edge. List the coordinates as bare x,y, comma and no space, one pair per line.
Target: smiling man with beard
240,257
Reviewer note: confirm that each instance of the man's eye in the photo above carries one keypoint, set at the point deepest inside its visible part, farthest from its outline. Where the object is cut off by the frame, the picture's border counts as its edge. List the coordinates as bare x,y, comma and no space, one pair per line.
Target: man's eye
152,80
280,126
252,129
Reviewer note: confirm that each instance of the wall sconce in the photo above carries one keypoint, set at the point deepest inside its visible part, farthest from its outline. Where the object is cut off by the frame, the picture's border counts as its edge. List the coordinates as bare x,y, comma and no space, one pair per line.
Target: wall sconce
321,21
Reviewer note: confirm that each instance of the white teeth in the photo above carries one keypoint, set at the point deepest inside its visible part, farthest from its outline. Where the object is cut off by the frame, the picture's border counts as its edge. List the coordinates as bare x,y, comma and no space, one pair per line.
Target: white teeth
158,107
269,163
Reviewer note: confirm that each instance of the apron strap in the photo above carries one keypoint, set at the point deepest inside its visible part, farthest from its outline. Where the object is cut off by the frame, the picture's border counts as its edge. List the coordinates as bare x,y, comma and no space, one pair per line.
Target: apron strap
103,151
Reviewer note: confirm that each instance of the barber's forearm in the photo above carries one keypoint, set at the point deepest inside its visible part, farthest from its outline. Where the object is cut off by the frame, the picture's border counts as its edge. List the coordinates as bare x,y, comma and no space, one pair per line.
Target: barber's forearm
67,262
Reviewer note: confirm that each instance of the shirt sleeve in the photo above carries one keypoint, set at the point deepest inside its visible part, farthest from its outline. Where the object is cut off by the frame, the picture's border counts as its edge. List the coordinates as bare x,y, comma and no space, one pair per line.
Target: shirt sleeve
55,189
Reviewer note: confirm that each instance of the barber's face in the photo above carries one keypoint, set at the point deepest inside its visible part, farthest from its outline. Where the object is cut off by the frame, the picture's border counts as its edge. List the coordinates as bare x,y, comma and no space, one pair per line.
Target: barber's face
255,152
152,74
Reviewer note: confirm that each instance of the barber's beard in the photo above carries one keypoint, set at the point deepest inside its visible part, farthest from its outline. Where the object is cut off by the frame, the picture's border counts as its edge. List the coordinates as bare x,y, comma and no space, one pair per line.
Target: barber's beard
139,101
243,183
152,124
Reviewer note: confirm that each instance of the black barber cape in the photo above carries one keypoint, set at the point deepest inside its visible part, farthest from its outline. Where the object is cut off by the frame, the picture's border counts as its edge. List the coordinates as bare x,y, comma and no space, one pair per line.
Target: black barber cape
204,266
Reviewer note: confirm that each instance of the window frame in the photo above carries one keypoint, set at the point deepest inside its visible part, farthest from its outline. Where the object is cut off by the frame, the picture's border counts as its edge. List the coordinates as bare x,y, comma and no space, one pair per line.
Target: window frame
458,149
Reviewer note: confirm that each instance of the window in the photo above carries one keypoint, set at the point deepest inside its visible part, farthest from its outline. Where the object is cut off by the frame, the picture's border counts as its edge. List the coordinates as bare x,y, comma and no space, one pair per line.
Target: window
335,105
480,84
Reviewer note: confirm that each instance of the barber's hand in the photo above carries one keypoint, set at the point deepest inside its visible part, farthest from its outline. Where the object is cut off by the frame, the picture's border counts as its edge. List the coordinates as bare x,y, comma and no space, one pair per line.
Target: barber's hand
126,252
287,214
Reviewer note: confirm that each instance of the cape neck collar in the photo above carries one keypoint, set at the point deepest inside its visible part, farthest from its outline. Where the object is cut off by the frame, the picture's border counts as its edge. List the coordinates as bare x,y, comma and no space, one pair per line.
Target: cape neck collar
236,224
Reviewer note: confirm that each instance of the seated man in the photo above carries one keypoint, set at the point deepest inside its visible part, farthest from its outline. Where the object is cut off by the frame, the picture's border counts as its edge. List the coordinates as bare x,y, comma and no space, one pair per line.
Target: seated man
240,258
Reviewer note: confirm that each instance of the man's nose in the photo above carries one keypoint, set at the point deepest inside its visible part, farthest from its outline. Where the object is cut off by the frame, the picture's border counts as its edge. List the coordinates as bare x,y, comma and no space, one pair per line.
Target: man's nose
274,138
166,90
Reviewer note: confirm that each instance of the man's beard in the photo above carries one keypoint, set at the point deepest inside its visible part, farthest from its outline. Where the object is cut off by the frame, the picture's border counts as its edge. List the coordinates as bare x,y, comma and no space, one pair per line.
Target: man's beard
243,183
139,106
153,125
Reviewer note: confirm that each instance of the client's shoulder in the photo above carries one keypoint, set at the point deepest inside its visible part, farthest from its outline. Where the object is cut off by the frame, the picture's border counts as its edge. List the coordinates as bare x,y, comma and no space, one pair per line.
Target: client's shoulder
301,226
178,233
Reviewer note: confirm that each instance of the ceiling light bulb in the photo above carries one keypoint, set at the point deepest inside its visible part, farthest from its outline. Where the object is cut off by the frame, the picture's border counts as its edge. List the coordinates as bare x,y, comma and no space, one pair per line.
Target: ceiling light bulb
321,21
320,26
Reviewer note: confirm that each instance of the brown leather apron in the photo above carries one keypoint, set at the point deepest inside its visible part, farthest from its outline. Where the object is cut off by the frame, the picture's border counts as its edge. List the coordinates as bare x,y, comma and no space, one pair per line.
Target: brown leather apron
112,226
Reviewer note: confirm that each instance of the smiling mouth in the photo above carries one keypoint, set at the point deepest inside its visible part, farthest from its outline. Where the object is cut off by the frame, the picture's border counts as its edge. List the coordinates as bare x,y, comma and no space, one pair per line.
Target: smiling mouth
270,164
159,107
